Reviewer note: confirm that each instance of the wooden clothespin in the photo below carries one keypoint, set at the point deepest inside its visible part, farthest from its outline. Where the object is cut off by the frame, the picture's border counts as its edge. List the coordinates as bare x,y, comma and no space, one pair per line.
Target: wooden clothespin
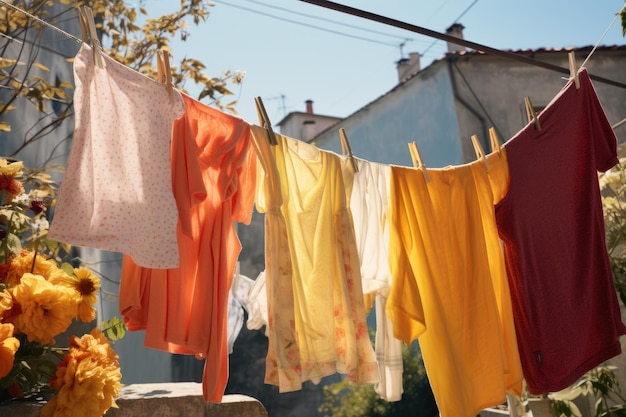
495,142
531,113
264,121
480,154
345,147
418,163
573,71
89,34
164,71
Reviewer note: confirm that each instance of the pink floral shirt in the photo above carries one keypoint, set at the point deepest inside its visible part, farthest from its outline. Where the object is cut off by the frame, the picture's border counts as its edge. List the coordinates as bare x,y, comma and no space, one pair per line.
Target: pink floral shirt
117,191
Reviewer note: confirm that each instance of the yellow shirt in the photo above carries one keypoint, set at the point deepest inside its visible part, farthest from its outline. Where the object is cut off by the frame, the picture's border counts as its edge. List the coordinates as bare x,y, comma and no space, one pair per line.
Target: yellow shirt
449,284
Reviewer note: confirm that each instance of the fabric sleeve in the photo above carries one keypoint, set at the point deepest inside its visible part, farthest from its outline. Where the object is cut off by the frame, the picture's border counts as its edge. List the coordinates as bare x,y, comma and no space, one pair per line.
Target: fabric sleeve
404,305
267,178
602,134
178,105
243,200
498,174
187,183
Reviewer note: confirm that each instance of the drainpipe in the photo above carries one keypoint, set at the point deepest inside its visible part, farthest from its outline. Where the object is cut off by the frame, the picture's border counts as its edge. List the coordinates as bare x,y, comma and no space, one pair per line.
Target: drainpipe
473,111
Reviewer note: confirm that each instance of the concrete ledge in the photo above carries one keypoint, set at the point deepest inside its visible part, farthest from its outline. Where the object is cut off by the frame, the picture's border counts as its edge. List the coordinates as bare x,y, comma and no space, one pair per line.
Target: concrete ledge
161,400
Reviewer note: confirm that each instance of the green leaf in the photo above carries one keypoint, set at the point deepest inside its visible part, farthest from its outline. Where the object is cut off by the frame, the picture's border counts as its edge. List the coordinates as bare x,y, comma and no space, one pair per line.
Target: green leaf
67,268
13,243
622,15
113,329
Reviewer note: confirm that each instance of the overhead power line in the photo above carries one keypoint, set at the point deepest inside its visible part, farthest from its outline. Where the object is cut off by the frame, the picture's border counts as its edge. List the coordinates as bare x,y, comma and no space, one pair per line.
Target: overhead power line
452,39
467,9
323,19
336,32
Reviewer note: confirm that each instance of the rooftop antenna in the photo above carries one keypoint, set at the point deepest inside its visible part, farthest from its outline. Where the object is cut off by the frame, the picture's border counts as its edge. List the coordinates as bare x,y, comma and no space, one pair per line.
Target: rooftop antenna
401,49
282,107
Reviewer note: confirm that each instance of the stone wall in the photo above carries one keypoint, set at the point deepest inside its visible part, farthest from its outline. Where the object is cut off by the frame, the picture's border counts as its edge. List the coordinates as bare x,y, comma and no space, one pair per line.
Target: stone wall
161,400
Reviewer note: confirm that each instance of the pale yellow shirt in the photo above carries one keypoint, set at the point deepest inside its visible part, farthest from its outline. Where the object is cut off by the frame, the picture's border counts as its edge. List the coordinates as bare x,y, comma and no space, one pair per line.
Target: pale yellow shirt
316,315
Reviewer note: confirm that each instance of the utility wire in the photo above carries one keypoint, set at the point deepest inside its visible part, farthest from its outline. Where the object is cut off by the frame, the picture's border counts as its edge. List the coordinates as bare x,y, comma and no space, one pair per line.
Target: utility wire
39,44
306,24
452,39
323,19
455,21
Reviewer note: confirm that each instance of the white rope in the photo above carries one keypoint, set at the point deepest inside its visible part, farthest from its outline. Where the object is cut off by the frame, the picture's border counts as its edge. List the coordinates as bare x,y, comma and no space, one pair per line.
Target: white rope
43,22
600,40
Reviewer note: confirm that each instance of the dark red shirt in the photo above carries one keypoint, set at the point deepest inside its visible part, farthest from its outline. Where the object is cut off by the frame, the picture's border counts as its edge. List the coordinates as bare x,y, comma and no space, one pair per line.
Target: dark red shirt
566,312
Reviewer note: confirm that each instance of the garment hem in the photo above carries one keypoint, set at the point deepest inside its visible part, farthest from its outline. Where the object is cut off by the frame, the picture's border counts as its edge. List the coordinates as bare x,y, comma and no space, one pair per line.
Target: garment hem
610,352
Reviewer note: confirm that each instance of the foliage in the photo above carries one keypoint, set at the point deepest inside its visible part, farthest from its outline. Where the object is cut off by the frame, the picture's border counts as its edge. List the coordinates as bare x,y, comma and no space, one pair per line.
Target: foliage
24,78
613,186
345,400
40,297
136,47
604,388
622,15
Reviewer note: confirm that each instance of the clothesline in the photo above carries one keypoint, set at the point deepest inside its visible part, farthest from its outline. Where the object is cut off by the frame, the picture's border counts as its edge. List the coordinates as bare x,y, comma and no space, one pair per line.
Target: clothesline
43,22
396,23
452,39
402,25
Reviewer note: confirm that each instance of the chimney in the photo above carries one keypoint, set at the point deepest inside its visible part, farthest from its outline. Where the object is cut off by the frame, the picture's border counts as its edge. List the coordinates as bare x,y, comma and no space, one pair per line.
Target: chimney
408,66
455,30
309,106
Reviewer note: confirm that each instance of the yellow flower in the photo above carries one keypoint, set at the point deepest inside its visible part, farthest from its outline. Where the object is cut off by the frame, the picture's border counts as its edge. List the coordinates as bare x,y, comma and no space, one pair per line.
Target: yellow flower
8,347
14,168
85,285
23,263
87,380
41,309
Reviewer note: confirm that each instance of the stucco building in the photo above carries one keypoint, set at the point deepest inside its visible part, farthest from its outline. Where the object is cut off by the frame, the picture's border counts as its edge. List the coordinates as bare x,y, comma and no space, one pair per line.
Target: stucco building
463,94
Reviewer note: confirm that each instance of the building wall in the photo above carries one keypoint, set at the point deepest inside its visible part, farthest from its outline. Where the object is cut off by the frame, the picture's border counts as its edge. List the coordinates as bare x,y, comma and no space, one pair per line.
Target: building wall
305,126
463,95
494,89
53,53
420,110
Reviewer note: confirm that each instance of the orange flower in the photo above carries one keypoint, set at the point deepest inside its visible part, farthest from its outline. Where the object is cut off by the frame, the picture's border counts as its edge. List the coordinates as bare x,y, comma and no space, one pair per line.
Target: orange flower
85,285
4,268
23,263
8,347
87,380
11,186
6,302
41,309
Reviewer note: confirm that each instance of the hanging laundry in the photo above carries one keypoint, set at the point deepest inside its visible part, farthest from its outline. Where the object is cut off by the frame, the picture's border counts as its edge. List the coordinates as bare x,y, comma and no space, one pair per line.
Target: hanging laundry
367,193
315,302
185,309
116,194
447,278
237,307
257,305
567,315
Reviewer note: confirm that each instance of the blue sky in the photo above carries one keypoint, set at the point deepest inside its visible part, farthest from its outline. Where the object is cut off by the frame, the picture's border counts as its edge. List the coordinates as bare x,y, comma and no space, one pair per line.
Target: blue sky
288,60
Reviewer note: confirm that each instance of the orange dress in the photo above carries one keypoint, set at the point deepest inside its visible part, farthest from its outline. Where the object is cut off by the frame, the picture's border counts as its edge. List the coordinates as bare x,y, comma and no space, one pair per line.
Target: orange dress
184,310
